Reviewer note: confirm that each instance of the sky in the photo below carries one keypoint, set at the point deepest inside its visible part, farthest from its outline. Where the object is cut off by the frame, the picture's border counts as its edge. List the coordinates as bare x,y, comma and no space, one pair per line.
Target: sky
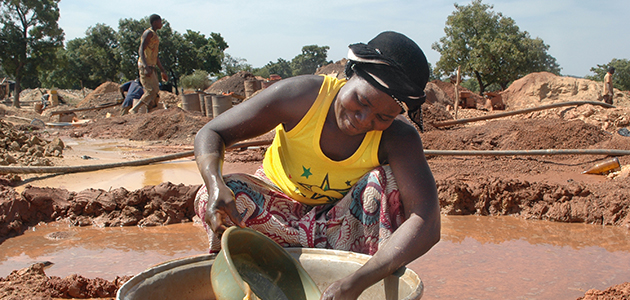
581,33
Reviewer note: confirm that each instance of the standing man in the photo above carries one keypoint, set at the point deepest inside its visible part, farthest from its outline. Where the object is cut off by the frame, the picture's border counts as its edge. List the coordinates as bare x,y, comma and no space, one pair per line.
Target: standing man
608,86
147,61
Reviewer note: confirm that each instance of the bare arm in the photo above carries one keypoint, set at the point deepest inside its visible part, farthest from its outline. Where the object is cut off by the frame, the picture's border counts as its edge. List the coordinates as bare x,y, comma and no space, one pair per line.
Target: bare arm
162,71
284,102
402,148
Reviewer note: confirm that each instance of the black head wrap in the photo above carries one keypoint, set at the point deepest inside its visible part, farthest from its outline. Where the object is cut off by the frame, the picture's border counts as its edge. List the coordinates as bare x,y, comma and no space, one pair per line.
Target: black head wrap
394,64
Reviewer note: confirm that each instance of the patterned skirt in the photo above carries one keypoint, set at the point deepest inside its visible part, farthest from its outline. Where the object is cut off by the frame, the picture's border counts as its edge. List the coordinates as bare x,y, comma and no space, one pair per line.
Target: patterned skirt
361,221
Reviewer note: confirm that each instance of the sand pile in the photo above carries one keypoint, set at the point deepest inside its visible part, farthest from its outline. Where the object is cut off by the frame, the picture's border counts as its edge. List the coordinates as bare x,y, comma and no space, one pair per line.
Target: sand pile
106,92
109,92
174,125
231,84
545,88
334,70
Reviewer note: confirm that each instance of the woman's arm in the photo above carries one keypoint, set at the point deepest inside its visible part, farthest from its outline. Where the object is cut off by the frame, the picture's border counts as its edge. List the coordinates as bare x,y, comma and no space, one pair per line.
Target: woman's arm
285,102
403,150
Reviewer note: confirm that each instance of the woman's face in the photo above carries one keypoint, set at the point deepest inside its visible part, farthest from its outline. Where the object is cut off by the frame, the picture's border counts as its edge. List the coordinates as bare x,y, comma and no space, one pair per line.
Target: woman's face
360,108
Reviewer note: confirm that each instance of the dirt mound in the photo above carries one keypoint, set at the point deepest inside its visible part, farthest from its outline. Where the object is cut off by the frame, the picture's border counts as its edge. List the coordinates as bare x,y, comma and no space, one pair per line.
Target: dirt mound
572,202
150,206
26,149
33,283
545,88
449,89
234,83
334,70
620,291
518,135
434,113
173,124
106,92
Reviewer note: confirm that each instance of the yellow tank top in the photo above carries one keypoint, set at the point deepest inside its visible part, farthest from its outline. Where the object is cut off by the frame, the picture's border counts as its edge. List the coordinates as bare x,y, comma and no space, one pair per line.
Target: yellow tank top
297,165
151,52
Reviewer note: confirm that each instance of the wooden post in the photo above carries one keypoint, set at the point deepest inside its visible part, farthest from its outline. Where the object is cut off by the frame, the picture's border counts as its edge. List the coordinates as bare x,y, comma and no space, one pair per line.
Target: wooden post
457,81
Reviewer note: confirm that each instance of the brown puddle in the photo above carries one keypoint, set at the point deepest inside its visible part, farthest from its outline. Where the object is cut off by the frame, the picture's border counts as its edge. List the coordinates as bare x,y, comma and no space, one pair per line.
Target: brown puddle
511,258
477,258
100,252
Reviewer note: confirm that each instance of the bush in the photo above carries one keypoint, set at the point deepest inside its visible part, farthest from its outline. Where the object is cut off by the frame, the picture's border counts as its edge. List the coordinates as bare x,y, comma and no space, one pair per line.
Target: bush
198,80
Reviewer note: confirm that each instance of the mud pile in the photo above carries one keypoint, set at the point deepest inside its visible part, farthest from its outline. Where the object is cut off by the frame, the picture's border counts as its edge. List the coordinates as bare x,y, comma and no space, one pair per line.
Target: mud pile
572,202
620,291
150,206
33,283
22,148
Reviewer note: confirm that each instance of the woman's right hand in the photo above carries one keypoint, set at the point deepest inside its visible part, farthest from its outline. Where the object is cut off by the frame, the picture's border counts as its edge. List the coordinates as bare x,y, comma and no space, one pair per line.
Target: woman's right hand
222,207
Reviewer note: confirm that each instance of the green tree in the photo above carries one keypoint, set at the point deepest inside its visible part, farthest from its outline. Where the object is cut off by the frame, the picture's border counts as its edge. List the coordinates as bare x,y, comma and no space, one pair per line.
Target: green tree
621,78
88,61
312,57
490,47
64,75
232,65
29,38
179,54
128,35
101,54
281,67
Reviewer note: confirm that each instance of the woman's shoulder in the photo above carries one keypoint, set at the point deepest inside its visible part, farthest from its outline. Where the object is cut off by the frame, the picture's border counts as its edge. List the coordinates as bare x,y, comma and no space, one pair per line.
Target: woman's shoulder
301,84
398,137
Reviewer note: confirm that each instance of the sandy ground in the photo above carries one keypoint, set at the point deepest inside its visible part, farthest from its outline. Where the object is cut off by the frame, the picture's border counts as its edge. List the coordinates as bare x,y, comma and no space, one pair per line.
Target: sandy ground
548,187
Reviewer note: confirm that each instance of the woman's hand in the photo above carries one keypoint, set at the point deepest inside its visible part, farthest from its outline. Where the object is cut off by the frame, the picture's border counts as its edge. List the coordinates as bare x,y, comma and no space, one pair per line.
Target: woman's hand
340,290
222,207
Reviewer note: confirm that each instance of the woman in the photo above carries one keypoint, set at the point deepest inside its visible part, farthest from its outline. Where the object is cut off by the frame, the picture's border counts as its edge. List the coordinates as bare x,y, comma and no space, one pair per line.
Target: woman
345,170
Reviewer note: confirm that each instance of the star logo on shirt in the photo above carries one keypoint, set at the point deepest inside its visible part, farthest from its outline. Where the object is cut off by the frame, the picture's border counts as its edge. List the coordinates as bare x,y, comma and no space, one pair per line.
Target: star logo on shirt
307,172
324,191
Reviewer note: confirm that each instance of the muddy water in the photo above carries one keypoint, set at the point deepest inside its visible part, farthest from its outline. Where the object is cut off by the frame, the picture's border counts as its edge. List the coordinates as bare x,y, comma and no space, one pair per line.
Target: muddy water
95,152
477,257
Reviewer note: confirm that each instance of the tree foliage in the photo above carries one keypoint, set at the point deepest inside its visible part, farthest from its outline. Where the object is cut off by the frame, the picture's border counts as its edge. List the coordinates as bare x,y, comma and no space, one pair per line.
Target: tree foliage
621,78
108,55
281,68
29,39
232,65
490,47
312,57
180,54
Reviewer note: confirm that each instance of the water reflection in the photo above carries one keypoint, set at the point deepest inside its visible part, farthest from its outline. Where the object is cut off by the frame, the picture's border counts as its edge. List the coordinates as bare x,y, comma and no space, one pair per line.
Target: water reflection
497,230
153,175
510,258
477,257
100,252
